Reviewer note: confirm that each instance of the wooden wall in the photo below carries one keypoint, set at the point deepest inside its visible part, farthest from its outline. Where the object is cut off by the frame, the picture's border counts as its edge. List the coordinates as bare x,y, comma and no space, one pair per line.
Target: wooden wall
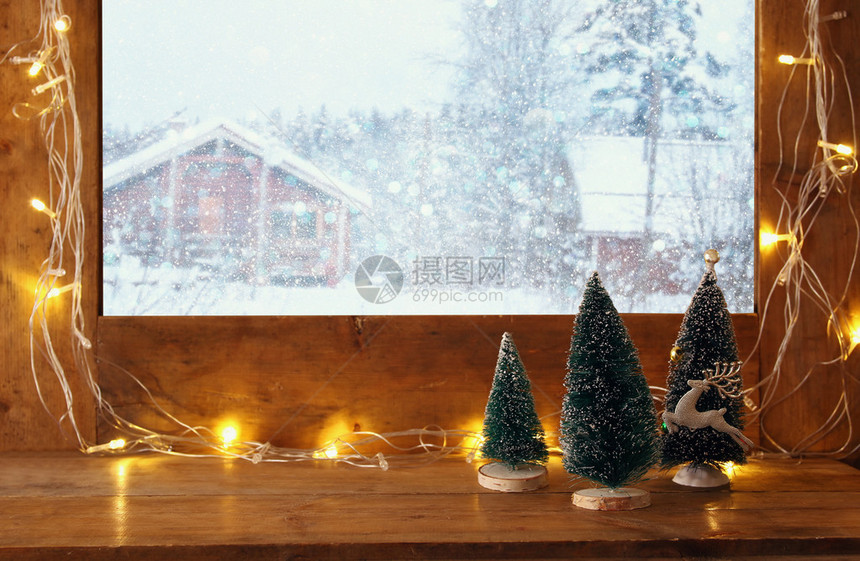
218,365
316,378
829,247
25,235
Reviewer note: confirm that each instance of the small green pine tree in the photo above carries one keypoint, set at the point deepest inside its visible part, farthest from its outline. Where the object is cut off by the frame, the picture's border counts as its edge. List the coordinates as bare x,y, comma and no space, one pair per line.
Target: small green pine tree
513,433
706,337
608,424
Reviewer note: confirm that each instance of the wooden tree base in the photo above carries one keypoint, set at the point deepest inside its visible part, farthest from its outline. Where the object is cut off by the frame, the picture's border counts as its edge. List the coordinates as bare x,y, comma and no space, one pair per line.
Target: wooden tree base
500,477
603,498
701,476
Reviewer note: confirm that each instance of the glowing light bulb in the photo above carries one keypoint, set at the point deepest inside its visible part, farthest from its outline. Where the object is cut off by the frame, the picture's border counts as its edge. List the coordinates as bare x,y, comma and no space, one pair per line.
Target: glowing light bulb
38,63
40,206
788,59
769,238
63,23
473,444
229,434
327,452
855,340
113,445
54,292
843,149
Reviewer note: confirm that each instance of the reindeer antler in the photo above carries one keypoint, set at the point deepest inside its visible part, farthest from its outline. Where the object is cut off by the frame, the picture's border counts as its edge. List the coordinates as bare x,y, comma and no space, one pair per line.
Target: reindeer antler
726,377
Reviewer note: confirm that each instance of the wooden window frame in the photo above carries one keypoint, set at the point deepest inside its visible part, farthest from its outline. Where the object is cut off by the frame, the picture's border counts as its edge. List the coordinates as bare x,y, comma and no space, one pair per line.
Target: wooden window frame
294,380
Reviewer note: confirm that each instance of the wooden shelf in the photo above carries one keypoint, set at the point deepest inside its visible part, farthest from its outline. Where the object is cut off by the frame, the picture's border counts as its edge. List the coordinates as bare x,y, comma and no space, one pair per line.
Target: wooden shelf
58,505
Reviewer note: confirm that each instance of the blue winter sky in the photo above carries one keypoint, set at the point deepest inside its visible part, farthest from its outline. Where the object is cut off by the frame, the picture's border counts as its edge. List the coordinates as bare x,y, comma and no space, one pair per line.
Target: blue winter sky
222,58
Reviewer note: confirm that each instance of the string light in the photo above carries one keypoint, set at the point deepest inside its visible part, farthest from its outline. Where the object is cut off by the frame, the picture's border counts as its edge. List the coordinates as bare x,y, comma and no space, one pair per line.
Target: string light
855,339
474,446
770,238
63,23
42,88
229,434
843,149
41,207
330,452
38,62
790,60
837,15
112,446
54,292
61,129
802,203
23,59
35,68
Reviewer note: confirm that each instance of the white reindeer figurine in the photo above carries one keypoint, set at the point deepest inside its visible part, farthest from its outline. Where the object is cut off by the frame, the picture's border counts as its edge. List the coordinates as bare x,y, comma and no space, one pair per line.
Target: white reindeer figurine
726,379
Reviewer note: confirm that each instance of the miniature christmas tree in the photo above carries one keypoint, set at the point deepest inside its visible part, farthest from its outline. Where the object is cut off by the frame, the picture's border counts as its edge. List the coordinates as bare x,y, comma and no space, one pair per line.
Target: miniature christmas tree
513,434
609,424
704,402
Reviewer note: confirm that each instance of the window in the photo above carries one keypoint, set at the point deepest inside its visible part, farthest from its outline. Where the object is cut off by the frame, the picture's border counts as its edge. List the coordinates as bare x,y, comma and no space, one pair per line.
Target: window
306,225
495,152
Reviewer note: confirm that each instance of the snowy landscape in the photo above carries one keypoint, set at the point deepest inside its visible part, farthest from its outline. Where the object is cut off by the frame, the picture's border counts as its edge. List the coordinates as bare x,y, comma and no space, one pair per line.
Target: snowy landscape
496,165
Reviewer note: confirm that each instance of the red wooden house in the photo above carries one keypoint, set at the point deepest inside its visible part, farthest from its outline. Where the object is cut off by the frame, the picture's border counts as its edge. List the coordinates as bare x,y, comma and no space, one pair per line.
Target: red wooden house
224,198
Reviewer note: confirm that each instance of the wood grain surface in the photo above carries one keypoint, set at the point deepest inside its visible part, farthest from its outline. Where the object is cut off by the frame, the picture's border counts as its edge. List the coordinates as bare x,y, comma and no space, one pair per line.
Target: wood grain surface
139,507
300,381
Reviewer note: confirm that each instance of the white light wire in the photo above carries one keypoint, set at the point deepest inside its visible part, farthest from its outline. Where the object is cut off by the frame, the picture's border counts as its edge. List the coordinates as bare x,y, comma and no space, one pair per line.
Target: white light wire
798,215
59,124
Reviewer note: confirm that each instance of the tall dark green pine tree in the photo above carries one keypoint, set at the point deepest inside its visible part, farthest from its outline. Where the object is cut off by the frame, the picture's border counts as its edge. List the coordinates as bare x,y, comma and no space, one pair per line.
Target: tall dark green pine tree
706,337
608,424
513,433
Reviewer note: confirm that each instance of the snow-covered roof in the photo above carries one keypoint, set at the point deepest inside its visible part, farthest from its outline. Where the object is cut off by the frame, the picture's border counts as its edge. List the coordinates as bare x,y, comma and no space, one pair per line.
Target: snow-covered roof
612,174
269,149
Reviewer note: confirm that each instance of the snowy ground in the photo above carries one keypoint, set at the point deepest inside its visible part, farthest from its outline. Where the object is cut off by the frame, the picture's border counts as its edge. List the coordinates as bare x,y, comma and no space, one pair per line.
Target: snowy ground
131,289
